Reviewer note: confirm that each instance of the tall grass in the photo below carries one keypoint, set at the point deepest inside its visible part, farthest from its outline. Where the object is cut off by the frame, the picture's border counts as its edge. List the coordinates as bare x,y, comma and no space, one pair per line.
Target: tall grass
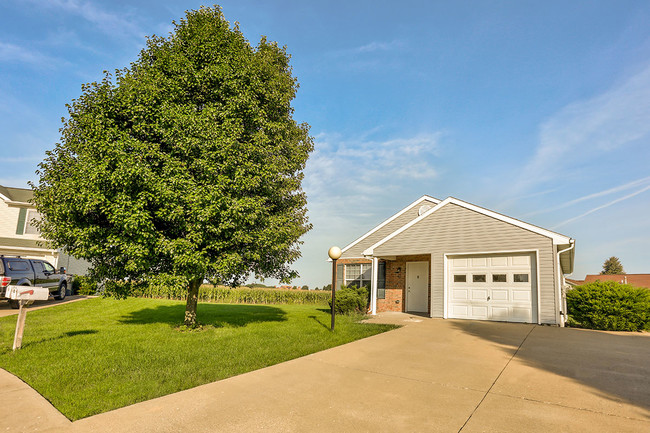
241,295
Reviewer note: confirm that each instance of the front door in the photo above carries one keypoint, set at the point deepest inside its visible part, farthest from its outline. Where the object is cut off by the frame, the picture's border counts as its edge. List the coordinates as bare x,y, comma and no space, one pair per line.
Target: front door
417,287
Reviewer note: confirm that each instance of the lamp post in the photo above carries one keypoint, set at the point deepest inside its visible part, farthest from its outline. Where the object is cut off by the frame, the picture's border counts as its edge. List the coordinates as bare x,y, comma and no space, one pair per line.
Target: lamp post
334,253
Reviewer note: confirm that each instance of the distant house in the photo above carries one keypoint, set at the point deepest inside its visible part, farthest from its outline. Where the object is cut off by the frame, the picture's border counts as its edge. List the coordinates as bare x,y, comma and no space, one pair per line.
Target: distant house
452,259
637,280
20,237
572,282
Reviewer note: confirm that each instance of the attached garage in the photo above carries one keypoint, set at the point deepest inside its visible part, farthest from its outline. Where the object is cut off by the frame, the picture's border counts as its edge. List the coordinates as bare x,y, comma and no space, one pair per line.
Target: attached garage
480,265
500,287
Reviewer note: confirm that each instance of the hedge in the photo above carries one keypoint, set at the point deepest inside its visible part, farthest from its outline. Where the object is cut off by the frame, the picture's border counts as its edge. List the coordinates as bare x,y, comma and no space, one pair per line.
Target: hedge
610,306
350,300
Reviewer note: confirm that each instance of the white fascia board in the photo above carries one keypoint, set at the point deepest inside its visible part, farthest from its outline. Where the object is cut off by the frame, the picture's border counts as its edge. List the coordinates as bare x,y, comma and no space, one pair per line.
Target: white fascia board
557,238
421,199
20,203
4,197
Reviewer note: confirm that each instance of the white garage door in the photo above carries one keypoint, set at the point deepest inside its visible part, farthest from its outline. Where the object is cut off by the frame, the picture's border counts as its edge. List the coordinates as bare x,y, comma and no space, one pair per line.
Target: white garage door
492,287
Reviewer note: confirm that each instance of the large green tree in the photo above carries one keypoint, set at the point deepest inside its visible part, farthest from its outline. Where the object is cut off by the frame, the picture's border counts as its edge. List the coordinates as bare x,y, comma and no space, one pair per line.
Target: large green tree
187,163
612,266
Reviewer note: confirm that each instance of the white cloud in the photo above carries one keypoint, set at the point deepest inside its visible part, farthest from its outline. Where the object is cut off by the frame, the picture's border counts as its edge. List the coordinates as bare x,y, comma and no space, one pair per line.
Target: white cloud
379,46
590,129
11,53
108,22
629,185
613,202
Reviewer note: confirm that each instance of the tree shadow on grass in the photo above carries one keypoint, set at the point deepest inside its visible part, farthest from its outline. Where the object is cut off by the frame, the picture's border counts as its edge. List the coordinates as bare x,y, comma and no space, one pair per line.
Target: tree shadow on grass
60,336
217,315
613,365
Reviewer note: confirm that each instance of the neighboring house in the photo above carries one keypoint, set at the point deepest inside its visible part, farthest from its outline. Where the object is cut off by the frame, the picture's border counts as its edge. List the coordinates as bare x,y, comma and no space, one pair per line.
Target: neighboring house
20,237
571,283
637,280
452,259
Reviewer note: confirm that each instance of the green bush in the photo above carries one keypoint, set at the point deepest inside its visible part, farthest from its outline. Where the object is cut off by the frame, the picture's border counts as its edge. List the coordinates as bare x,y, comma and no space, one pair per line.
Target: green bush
350,300
83,285
609,306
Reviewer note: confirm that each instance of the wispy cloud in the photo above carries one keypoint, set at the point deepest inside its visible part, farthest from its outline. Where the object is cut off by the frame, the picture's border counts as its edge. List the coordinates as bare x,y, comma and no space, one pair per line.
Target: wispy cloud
11,53
379,46
629,185
590,129
613,202
108,22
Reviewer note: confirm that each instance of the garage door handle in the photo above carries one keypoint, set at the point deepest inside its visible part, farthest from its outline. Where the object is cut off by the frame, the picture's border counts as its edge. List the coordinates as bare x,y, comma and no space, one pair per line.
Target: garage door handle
488,298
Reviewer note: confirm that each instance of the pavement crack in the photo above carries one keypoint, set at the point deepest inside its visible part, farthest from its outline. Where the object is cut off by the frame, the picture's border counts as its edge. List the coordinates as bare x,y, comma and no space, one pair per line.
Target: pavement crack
495,380
550,403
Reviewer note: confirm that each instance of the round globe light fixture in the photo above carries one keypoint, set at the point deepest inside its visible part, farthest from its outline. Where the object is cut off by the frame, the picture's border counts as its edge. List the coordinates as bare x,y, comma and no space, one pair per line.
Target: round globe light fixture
334,253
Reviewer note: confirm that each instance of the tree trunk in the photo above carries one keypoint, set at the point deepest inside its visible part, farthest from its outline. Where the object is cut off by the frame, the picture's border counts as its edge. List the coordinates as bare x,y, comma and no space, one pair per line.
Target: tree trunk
192,299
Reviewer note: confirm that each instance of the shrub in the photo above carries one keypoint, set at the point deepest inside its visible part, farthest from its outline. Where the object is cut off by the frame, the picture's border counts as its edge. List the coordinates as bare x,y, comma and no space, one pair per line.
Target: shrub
350,300
83,285
610,306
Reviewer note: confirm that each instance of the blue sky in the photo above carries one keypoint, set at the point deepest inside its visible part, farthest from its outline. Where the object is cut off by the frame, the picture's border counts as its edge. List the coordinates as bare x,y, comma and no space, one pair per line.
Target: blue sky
539,110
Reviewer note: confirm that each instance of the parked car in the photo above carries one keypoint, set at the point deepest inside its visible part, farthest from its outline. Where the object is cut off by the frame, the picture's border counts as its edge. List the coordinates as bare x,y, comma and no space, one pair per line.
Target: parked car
20,271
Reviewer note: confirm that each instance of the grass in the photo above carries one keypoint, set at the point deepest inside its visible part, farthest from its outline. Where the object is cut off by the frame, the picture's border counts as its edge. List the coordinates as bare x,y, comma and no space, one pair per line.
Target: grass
96,355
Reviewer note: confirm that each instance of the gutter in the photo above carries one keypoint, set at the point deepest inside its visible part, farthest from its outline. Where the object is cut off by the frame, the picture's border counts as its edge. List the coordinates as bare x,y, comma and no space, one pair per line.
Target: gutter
563,314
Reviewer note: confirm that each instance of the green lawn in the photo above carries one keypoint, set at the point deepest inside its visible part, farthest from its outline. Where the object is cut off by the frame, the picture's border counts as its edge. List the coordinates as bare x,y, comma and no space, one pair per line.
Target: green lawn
92,356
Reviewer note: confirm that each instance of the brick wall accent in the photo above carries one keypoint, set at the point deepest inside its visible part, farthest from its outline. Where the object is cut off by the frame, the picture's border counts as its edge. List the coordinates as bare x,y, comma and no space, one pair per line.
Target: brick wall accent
396,283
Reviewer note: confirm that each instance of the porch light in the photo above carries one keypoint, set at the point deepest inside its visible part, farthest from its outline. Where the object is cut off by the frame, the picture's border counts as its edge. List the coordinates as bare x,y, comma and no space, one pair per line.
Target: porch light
334,253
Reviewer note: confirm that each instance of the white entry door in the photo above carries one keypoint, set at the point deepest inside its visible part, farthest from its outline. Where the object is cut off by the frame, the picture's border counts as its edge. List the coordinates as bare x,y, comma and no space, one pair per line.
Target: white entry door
417,287
492,287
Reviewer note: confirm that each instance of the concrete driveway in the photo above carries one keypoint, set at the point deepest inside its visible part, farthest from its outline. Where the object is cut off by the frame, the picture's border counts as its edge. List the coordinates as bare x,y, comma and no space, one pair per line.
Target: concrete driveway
431,375
6,310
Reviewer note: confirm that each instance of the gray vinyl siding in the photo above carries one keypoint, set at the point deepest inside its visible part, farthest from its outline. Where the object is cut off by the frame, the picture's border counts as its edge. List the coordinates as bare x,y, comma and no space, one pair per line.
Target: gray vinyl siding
454,229
408,216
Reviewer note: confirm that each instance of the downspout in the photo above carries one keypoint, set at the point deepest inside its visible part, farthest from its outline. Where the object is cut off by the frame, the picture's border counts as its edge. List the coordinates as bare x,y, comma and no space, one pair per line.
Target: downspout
563,314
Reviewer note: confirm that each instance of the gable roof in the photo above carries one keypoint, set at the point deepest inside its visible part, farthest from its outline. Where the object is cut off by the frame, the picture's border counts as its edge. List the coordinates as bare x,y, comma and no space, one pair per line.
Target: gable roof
16,195
368,237
558,239
638,280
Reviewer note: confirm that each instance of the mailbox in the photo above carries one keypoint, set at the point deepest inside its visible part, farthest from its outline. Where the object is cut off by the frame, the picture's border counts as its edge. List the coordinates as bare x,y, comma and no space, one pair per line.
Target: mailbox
27,293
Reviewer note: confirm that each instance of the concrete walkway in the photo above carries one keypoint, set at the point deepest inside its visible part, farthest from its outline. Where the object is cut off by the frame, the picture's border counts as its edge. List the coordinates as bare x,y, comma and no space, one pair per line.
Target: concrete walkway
431,375
6,310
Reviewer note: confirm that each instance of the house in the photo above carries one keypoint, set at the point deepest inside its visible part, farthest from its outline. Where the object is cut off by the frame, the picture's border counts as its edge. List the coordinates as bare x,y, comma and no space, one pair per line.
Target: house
453,259
20,237
637,280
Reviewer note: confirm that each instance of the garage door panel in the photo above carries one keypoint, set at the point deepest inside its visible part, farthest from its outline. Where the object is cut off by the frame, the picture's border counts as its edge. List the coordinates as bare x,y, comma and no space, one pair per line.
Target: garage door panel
480,295
496,296
460,311
479,312
458,294
520,295
480,262
521,261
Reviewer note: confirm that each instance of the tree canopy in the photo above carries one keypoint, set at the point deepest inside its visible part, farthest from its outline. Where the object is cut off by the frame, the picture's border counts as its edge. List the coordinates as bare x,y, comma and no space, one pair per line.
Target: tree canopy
187,163
612,266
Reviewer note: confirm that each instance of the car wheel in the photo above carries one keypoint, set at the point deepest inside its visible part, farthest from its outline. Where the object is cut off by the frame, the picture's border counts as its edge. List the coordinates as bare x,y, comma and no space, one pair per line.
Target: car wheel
14,304
61,293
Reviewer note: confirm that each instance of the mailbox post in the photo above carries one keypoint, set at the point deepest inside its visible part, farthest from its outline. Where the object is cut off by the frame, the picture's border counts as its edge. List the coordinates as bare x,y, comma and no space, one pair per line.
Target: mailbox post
25,295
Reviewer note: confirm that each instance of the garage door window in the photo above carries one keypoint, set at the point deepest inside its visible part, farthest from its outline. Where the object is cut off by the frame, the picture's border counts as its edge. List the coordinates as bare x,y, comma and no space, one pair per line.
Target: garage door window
479,278
520,278
499,278
460,278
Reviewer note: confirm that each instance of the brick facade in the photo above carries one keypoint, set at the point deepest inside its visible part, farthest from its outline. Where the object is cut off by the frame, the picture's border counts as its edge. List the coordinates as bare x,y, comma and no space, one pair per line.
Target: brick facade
396,283
395,280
